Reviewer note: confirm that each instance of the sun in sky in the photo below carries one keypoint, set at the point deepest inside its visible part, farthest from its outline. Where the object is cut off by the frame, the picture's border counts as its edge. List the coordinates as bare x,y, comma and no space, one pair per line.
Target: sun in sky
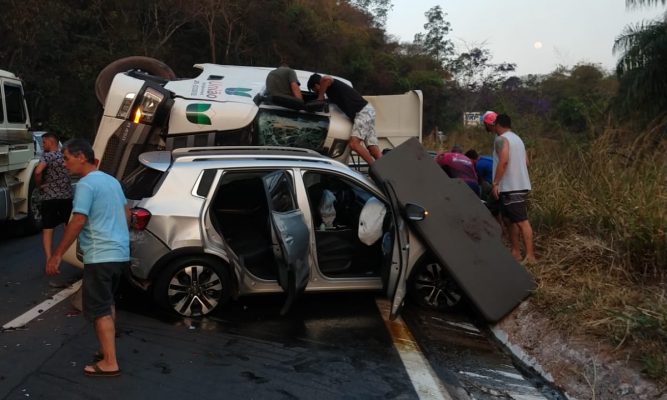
537,45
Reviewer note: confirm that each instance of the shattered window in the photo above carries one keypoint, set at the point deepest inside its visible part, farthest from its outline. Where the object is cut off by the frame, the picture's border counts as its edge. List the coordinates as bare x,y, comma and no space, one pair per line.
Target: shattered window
291,129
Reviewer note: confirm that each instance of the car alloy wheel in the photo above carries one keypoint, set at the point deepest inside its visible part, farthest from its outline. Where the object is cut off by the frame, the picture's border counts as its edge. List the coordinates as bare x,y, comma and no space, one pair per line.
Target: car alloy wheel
432,287
193,286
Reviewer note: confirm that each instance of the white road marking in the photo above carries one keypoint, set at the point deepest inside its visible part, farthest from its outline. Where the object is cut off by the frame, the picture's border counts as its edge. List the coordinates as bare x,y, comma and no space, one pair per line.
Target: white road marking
423,378
39,309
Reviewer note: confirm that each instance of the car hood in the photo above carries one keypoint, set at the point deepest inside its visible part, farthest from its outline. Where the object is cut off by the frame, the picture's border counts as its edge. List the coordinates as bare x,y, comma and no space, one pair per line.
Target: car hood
458,230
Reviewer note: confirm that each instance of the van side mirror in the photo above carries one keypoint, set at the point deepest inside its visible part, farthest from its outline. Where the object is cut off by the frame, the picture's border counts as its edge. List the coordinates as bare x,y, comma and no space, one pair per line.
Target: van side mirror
414,212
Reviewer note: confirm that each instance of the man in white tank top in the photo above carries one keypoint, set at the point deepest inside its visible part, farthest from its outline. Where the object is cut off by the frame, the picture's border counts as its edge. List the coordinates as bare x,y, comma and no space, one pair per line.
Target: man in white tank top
511,184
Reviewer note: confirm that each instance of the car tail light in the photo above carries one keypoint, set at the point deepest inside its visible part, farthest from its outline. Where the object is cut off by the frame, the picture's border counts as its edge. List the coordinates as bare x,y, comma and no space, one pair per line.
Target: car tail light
139,218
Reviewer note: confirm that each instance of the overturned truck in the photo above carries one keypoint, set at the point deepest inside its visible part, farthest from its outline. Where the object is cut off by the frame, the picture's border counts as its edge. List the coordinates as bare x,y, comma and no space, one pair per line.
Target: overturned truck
146,108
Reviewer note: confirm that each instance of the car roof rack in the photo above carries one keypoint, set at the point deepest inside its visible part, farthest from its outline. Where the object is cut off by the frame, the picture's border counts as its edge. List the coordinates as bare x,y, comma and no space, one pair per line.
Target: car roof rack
247,151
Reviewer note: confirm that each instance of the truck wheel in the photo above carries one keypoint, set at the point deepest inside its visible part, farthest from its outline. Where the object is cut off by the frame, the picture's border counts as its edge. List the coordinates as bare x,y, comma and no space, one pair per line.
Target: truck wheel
147,64
33,222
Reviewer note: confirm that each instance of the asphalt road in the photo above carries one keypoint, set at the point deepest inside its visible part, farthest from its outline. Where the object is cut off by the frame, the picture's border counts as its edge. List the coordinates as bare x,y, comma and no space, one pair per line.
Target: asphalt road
334,346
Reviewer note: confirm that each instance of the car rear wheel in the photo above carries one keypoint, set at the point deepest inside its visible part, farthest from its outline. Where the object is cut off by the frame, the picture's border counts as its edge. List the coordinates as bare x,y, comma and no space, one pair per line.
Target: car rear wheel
193,286
431,287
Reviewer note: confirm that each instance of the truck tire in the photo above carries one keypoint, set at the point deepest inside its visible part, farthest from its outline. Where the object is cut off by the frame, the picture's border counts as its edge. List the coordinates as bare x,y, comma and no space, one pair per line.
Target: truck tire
32,223
146,64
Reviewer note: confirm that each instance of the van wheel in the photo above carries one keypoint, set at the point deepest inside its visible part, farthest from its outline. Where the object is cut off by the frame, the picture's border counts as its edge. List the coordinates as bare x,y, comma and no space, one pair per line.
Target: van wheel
193,286
147,64
431,287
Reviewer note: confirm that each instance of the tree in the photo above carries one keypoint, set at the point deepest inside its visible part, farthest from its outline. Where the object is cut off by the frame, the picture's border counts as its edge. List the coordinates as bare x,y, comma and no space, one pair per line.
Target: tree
642,66
472,69
434,41
377,8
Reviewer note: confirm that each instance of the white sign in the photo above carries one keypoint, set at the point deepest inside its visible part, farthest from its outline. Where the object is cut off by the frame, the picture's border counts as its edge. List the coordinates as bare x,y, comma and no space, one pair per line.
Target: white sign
471,118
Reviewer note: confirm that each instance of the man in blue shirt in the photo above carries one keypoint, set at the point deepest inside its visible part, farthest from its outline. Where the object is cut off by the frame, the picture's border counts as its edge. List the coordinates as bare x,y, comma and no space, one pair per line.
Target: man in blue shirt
100,220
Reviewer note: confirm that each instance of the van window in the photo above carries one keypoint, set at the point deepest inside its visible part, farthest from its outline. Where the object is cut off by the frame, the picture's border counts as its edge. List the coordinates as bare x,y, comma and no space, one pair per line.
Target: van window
15,104
141,183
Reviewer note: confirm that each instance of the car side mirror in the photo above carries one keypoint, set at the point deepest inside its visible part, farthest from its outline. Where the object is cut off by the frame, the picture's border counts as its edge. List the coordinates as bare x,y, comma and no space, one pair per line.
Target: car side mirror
414,212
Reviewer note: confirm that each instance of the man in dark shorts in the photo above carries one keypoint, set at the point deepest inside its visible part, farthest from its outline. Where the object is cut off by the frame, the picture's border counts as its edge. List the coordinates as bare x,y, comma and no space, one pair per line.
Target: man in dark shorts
511,184
56,189
100,220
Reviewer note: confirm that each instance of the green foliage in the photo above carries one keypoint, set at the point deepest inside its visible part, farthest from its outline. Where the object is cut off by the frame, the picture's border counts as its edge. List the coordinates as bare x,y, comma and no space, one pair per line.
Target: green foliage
434,41
642,69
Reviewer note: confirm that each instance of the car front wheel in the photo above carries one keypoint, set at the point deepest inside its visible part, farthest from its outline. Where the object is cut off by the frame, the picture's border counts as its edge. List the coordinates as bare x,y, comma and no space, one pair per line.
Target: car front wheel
193,286
431,287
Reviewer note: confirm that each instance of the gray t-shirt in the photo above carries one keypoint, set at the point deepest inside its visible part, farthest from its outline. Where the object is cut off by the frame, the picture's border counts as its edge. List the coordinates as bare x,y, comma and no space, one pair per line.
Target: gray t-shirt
56,183
278,81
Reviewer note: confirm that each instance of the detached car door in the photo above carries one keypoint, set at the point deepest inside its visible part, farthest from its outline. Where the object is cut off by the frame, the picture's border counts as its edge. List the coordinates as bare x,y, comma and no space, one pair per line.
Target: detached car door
458,230
291,236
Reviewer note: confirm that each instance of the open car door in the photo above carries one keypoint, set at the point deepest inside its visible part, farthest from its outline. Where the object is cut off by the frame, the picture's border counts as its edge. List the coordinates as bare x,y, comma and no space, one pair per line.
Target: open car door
458,230
396,249
291,237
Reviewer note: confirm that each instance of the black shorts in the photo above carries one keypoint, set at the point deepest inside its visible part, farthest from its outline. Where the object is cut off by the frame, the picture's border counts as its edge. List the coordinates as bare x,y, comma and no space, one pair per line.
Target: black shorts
513,206
100,282
55,212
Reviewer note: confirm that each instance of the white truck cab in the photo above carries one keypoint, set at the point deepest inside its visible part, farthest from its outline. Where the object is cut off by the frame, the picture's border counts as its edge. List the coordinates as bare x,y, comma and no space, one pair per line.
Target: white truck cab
147,108
18,196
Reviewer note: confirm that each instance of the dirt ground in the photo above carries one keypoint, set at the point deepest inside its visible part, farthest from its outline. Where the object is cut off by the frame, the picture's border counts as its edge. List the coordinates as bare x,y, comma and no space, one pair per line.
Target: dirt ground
582,367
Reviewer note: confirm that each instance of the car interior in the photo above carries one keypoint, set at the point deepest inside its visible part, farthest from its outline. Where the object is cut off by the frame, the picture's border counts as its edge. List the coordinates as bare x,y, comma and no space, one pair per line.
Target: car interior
340,253
240,213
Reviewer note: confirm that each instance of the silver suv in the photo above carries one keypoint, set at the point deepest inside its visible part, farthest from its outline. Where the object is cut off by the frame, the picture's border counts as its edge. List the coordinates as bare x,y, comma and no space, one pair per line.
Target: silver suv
209,224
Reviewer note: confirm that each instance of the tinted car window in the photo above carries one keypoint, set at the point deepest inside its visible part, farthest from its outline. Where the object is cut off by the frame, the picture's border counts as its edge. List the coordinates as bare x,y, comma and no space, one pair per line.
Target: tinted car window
141,183
279,192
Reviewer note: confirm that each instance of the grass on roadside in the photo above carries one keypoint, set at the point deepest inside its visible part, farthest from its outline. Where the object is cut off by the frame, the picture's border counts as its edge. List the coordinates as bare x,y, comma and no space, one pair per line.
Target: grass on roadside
599,212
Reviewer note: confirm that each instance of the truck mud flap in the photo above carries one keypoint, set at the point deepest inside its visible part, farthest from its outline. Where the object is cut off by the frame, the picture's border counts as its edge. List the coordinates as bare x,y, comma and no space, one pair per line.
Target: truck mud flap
458,230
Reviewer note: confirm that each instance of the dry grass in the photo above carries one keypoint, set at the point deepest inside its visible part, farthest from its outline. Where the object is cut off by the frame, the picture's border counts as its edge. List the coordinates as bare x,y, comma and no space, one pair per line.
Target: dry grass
599,211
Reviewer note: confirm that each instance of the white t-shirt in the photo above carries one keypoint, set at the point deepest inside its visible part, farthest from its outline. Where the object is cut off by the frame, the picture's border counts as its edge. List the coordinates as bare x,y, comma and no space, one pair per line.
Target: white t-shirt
516,175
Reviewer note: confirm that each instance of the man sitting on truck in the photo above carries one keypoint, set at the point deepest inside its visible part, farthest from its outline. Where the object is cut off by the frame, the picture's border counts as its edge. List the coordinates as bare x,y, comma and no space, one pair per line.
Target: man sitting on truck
55,187
282,81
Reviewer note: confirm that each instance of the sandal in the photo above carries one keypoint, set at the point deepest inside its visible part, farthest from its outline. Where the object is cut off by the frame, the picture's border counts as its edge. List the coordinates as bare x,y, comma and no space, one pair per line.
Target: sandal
97,371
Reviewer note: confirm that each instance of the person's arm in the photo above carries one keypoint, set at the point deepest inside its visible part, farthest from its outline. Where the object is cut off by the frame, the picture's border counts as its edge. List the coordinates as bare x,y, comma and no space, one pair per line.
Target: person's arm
325,82
296,90
128,215
502,149
39,170
72,230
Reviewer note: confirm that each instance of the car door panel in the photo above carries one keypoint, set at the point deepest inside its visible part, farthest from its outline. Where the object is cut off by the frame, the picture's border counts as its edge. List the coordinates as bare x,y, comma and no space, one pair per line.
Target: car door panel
290,235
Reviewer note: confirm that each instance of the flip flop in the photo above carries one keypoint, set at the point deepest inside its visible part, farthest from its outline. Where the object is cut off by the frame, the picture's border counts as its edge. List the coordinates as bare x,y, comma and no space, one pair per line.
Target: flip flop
99,372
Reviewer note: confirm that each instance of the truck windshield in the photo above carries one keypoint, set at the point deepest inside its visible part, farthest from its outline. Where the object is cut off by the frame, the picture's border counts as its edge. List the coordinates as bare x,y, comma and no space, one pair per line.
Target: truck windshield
287,128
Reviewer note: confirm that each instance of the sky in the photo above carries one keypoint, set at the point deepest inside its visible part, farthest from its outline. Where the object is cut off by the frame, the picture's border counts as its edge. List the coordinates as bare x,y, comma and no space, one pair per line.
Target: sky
537,35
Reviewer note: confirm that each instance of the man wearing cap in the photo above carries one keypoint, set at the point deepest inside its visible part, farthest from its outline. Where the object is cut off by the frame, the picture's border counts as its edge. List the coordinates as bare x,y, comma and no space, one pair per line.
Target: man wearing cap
282,81
488,119
356,108
511,184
